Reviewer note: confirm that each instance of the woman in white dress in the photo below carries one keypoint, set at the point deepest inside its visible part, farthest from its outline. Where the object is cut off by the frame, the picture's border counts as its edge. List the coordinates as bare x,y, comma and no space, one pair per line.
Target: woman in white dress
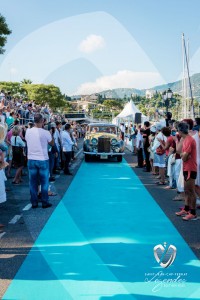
159,159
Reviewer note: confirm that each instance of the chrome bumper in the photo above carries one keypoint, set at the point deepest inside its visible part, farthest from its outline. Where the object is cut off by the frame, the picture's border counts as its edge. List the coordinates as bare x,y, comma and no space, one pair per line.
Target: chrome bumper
104,153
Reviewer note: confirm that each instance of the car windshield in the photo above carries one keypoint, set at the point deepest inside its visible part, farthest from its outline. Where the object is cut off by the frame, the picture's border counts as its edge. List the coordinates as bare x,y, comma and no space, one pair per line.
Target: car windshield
107,129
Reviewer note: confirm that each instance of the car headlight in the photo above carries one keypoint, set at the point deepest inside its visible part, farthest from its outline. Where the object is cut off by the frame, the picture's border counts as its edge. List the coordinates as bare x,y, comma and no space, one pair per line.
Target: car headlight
113,142
94,141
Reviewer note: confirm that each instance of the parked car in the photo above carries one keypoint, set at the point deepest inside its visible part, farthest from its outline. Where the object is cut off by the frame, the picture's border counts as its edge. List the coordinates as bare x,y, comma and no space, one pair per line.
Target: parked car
104,141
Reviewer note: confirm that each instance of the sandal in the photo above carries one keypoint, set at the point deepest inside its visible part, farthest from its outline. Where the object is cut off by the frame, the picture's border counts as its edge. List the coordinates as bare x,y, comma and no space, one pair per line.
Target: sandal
160,183
168,187
52,193
178,198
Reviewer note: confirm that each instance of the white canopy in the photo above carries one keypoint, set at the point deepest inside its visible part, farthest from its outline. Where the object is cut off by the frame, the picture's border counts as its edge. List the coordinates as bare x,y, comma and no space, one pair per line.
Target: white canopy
128,113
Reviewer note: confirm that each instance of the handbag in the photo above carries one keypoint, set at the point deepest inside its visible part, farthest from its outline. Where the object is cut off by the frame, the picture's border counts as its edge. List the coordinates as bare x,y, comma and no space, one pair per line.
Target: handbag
173,159
160,150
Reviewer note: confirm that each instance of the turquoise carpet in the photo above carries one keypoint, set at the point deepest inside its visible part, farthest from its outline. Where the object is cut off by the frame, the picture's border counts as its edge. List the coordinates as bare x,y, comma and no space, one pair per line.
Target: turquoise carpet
98,244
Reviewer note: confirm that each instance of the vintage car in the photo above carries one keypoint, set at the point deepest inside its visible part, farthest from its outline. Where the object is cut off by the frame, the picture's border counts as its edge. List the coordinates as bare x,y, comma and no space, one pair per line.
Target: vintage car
104,141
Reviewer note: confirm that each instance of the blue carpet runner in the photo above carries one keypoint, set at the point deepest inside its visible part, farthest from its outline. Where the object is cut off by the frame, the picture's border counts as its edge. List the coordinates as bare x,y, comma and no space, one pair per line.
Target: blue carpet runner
98,244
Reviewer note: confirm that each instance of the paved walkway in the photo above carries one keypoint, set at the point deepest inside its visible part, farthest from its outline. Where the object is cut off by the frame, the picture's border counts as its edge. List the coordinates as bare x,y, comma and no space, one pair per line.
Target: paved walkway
98,244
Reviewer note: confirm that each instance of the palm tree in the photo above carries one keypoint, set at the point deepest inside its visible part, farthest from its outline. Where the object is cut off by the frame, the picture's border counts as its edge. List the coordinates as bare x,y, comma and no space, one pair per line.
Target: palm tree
26,81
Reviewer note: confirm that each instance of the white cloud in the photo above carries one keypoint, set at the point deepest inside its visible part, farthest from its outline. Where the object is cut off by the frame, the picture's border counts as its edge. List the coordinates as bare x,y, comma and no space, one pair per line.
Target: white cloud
122,79
92,43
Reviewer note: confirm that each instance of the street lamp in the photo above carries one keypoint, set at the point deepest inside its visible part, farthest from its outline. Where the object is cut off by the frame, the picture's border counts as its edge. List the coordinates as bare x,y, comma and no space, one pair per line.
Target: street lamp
167,95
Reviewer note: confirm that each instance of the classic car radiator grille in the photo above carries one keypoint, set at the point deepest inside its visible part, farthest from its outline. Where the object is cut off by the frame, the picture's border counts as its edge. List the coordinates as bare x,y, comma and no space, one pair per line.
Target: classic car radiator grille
103,144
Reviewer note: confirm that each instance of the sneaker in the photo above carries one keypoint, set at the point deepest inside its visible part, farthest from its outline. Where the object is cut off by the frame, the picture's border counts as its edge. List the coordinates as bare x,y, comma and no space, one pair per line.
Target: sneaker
52,179
46,205
183,212
56,172
189,217
34,206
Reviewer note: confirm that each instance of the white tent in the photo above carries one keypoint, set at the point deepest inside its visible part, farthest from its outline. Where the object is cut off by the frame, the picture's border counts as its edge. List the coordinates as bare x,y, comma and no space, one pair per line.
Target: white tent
128,114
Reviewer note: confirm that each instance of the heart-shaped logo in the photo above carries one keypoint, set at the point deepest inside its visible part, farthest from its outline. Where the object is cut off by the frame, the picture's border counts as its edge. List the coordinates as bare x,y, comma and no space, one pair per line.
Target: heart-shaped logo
164,255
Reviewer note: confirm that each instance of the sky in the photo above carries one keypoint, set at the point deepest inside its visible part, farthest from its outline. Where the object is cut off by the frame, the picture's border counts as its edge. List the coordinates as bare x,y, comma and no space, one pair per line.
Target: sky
87,46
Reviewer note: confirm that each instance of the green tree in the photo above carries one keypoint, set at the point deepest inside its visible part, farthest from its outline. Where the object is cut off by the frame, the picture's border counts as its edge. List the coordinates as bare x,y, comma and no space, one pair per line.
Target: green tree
113,104
100,99
4,31
42,94
67,98
8,86
67,107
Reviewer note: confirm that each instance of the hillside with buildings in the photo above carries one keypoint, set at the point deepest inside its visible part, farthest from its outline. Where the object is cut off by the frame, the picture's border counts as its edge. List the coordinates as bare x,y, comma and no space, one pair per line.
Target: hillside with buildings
121,93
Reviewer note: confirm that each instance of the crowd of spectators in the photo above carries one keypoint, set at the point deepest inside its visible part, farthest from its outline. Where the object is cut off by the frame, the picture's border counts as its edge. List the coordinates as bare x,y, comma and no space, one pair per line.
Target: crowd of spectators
33,136
30,136
172,154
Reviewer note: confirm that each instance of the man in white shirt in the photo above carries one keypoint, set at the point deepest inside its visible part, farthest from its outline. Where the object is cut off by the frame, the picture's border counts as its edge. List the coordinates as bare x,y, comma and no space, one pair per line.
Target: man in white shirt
67,144
38,161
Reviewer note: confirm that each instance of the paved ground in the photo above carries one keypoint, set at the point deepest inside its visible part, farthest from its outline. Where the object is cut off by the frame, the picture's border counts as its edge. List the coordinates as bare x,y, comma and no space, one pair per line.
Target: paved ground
25,224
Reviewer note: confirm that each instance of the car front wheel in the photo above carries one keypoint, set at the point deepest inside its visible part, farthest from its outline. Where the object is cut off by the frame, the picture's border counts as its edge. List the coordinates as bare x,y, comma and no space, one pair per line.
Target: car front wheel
119,158
87,157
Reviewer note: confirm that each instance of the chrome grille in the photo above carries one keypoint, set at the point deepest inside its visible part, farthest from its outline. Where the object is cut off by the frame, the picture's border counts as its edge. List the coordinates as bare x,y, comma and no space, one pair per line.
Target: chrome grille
103,144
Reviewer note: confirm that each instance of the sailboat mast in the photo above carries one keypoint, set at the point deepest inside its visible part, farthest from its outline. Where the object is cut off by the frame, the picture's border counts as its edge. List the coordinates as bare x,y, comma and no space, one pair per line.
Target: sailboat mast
184,101
192,115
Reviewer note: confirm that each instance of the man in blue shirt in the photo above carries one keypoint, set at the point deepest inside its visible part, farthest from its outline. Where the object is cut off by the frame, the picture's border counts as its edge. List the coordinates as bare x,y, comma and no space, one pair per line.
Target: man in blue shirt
67,144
